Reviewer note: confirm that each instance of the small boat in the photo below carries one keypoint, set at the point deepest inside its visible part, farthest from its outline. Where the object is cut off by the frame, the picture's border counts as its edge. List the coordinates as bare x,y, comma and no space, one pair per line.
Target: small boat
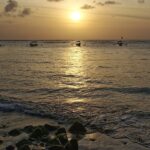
120,42
33,44
78,43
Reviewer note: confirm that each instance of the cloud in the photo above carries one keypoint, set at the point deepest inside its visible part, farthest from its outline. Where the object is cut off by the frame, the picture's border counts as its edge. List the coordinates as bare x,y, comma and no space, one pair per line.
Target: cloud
87,6
133,16
25,12
141,1
100,3
55,0
12,10
11,6
109,2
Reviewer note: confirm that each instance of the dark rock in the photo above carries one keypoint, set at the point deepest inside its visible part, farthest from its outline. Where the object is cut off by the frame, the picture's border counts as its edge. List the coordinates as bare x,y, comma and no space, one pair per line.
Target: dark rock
36,134
46,140
39,132
28,129
42,144
63,138
50,127
61,131
56,147
14,132
22,143
77,128
10,147
24,147
45,131
54,141
72,145
67,146
1,142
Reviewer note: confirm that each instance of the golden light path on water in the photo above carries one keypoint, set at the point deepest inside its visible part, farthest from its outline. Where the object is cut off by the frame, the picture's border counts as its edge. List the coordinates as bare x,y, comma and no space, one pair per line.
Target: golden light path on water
75,61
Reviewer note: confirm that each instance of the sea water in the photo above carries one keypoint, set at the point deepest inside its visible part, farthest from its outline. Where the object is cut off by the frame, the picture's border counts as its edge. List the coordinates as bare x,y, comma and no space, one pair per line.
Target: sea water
105,86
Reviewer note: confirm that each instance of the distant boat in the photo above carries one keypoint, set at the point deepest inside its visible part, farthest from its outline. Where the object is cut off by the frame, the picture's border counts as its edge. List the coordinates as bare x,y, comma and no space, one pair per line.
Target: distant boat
78,43
33,44
120,42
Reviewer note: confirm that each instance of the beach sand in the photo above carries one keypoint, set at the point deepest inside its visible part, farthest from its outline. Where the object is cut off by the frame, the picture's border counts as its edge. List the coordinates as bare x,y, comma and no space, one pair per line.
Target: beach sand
91,141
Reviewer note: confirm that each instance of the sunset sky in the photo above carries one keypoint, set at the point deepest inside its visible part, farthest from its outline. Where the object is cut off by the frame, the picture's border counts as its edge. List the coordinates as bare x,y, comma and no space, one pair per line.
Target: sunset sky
54,19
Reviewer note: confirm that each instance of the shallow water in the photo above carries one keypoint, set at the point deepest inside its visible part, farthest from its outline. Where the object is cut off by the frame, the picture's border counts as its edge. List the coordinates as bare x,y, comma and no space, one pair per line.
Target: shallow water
100,83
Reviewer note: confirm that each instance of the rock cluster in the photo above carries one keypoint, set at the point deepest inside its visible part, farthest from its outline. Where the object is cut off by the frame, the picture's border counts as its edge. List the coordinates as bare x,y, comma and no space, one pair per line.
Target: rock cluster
48,137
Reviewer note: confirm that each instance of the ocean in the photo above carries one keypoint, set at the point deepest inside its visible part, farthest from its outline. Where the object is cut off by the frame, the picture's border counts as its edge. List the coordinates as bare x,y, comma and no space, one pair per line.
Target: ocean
105,86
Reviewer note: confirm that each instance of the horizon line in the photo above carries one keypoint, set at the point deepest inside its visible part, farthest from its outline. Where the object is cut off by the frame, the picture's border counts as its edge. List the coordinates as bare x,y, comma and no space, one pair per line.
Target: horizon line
73,39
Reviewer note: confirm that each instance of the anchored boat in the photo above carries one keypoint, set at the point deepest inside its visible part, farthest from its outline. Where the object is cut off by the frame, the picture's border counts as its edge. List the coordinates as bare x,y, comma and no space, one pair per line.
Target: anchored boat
33,44
120,42
78,43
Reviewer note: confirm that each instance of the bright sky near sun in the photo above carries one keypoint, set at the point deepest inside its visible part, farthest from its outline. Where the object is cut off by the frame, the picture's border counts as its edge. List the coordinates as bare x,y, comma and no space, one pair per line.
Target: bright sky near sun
74,19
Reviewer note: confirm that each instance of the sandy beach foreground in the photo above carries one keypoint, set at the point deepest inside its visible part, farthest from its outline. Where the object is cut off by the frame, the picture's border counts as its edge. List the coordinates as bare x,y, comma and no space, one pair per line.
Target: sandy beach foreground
10,123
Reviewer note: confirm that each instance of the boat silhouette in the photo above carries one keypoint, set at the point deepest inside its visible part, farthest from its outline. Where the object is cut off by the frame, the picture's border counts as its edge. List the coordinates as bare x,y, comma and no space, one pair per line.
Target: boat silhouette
78,43
120,42
33,44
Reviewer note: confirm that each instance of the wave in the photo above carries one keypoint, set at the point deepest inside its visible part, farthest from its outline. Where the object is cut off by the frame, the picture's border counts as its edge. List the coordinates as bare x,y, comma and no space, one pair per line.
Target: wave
129,90
83,90
65,110
116,121
27,62
55,95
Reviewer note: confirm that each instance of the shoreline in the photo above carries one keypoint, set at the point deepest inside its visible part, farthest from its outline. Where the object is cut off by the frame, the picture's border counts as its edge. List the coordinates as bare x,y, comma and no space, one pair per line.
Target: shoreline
91,140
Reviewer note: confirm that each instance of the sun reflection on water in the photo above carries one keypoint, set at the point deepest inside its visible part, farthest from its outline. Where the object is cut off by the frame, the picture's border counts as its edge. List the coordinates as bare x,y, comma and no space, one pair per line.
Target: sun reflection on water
75,69
76,104
75,100
74,60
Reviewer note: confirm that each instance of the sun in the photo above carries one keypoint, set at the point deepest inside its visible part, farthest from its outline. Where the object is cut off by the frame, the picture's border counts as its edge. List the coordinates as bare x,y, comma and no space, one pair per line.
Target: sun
76,15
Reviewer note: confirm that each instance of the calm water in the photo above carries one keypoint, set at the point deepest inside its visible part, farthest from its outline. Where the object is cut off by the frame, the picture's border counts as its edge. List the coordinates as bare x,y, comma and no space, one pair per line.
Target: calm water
100,83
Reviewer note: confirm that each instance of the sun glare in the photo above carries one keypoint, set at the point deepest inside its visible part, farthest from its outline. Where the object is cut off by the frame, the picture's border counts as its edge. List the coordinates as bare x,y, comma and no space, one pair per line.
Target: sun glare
76,16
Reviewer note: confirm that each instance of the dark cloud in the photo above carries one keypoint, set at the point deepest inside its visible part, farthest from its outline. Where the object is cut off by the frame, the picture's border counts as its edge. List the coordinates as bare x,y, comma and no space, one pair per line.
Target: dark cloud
11,6
54,0
141,1
25,12
87,6
12,10
109,2
100,3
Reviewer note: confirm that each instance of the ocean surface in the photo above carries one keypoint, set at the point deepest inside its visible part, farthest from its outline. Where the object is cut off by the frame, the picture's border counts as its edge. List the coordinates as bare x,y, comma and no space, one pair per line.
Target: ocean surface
105,86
